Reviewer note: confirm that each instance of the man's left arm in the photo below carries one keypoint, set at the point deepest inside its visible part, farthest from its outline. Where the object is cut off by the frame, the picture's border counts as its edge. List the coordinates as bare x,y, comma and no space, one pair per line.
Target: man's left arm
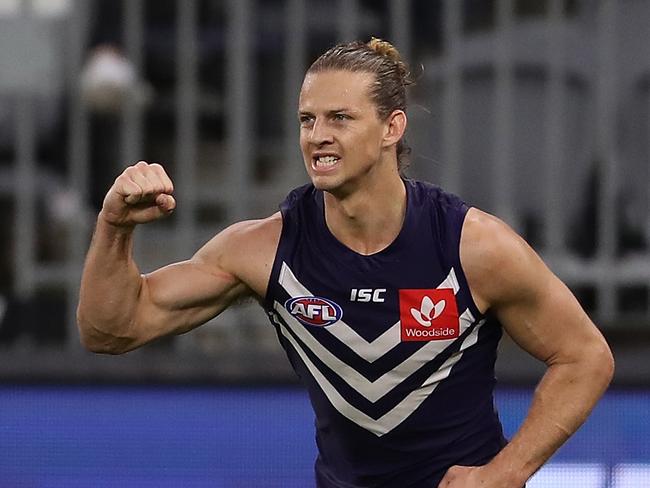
543,317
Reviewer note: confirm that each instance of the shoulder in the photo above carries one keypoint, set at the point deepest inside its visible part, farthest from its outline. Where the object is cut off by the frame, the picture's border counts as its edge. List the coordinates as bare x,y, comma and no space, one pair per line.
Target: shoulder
245,250
246,234
254,232
533,305
499,265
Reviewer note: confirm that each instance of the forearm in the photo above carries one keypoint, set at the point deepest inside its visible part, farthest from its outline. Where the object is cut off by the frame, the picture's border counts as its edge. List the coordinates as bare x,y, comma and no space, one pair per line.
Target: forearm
110,286
562,401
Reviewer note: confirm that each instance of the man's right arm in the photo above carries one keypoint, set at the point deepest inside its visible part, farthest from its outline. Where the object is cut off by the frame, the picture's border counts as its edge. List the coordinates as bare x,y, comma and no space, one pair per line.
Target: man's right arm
120,309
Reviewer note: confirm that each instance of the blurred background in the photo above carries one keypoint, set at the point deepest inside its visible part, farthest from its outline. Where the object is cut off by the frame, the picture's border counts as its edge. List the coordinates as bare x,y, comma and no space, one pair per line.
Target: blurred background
535,110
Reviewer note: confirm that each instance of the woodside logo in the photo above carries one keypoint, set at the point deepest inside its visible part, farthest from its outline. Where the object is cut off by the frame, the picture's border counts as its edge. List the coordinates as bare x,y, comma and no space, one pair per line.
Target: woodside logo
428,315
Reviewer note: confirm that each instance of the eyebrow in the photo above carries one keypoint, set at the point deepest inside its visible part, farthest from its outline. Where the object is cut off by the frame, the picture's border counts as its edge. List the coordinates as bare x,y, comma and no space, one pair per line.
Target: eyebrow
329,112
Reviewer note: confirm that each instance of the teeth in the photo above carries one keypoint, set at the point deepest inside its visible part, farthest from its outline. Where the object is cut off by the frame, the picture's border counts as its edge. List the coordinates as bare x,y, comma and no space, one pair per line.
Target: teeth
326,160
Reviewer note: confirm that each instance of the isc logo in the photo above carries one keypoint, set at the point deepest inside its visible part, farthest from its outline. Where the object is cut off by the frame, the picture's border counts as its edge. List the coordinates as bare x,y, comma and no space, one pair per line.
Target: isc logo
314,310
367,294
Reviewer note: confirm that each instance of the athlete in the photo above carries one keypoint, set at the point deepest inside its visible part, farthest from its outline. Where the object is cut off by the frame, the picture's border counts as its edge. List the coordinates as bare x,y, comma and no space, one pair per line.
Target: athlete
389,296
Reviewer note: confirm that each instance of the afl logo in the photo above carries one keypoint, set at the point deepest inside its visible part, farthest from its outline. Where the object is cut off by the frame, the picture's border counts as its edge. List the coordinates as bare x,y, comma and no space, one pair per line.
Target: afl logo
314,311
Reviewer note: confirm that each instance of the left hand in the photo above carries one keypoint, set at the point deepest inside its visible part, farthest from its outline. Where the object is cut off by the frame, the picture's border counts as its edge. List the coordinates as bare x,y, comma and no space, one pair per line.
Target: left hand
468,477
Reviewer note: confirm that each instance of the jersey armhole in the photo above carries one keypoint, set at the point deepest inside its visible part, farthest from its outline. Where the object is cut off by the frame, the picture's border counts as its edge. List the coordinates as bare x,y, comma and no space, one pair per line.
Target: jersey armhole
277,265
462,279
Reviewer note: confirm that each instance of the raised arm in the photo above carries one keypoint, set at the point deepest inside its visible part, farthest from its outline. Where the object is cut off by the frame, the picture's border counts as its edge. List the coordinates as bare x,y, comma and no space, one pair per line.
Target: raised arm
542,316
120,309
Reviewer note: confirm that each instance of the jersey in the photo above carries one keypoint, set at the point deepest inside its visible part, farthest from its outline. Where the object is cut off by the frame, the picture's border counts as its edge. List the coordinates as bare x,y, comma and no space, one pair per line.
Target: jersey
396,357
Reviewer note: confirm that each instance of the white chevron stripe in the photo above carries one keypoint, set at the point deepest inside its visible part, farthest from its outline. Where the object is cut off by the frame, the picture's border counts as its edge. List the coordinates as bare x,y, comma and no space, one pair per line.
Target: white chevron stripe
370,351
451,281
372,390
402,410
469,341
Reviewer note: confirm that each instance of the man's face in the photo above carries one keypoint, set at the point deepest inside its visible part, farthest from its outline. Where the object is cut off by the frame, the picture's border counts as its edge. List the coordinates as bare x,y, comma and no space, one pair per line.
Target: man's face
340,133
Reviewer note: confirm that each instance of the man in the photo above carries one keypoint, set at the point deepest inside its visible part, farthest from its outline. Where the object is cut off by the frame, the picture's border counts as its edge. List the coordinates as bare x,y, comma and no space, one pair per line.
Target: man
388,295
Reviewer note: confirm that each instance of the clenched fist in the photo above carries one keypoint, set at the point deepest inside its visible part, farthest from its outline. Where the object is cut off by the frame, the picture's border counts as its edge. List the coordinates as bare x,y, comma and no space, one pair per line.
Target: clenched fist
141,194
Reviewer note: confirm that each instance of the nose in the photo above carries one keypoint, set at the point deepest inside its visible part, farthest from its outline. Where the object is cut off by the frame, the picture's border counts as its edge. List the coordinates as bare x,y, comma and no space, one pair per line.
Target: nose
320,134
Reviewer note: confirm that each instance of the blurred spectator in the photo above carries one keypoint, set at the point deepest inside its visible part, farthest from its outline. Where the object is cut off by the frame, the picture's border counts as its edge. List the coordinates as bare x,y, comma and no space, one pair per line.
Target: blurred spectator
32,101
630,235
32,65
108,82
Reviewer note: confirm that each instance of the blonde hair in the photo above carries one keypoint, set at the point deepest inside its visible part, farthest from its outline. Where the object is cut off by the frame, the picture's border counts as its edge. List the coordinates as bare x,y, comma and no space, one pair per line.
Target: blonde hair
383,60
384,48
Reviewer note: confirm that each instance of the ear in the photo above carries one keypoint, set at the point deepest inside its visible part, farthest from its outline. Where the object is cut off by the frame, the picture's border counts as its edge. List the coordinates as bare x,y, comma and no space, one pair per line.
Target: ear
394,128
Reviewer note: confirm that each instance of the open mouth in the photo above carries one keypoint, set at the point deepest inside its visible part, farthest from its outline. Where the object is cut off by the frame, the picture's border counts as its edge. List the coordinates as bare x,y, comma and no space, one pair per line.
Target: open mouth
324,163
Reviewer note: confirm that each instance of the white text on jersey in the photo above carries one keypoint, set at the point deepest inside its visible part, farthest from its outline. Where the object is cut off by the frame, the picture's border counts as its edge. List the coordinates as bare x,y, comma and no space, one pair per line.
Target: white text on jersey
367,294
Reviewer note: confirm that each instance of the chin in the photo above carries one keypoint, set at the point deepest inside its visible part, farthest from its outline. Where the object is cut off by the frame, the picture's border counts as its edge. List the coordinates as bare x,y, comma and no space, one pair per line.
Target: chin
333,186
323,184
330,182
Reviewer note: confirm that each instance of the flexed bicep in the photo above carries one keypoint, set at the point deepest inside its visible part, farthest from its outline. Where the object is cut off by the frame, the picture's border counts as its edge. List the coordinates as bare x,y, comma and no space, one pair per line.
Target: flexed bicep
176,298
181,296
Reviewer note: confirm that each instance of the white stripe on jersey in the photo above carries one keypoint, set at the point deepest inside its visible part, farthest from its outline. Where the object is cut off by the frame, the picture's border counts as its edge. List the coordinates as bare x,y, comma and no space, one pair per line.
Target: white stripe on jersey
403,409
370,351
372,390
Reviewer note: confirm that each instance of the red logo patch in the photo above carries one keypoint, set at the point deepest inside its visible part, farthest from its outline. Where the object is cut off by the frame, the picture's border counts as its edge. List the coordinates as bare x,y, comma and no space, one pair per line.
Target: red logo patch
428,315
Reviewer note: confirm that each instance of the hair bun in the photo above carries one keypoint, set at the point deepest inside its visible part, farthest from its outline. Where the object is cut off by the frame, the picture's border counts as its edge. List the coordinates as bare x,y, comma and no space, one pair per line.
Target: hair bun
384,48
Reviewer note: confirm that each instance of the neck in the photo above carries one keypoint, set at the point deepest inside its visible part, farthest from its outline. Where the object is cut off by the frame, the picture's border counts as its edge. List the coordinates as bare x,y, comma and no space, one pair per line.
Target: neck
370,218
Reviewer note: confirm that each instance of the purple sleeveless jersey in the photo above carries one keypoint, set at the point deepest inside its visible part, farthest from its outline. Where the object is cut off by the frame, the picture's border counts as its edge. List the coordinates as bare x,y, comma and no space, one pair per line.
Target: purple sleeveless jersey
397,359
